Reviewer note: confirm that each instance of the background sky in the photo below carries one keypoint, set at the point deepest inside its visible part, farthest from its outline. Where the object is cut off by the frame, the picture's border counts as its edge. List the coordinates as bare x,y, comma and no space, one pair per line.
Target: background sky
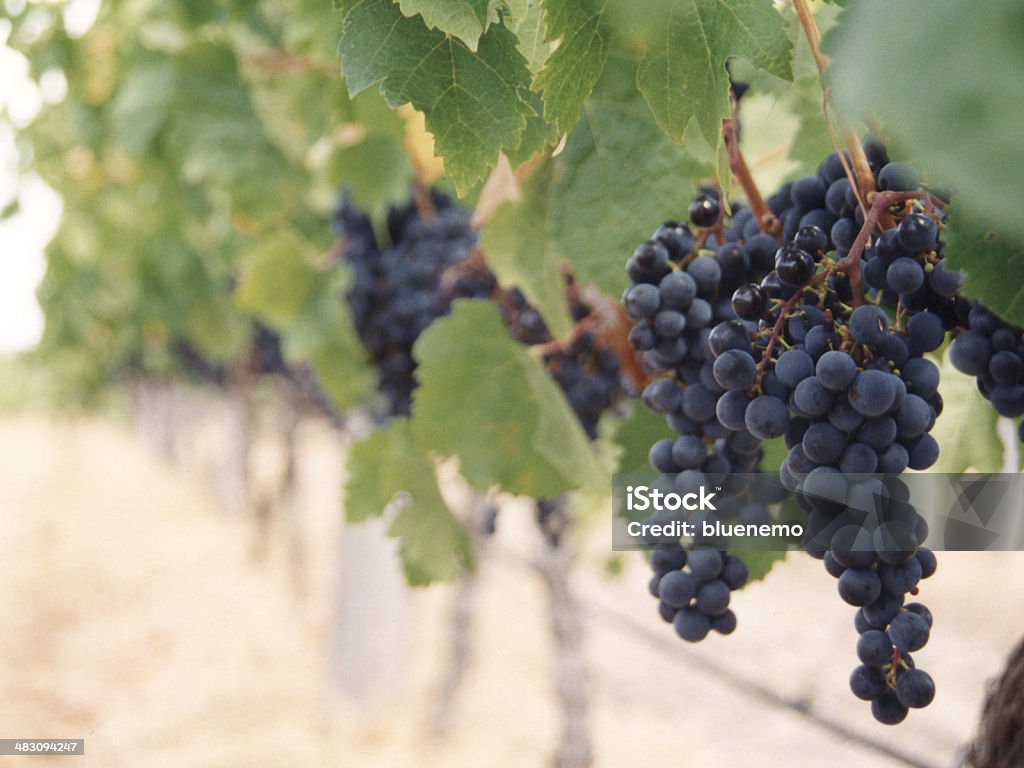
24,235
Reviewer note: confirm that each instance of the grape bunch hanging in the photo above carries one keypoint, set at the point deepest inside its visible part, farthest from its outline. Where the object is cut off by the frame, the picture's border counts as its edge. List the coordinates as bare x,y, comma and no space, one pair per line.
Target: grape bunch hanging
820,329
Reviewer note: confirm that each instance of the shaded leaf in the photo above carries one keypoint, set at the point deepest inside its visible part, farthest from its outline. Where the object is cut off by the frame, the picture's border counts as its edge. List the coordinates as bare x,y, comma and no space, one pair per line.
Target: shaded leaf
387,467
464,19
992,261
483,398
278,280
953,116
520,248
635,435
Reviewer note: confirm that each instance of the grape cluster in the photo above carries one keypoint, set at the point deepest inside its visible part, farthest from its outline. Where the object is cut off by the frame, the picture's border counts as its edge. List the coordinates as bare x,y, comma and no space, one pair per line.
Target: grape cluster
196,365
682,280
693,578
263,357
993,351
591,378
266,356
800,351
681,288
890,630
693,589
854,398
400,290
396,292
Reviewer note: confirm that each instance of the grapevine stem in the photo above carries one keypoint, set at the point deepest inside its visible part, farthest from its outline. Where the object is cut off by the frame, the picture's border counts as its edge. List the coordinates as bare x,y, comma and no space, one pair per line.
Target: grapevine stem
424,202
277,63
766,221
810,27
777,328
575,749
861,177
461,625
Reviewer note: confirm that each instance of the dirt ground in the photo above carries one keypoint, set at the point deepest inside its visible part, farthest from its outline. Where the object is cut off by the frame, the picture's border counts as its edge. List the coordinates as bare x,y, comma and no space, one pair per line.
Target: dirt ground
134,615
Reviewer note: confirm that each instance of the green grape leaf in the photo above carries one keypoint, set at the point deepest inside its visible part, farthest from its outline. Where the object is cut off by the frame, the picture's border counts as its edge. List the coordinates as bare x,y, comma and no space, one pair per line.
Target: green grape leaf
484,398
376,171
569,74
323,336
619,177
954,117
464,19
519,247
532,34
217,332
141,104
278,280
992,261
760,562
471,100
617,174
683,74
215,133
538,136
635,435
966,428
388,467
788,113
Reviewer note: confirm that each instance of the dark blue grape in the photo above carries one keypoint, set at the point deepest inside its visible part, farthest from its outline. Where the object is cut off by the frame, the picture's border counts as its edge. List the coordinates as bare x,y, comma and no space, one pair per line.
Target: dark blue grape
767,417
705,563
793,265
971,353
735,369
868,324
812,398
664,560
677,290
867,683
677,588
642,301
874,648
918,232
898,177
872,392
859,587
793,366
661,456
925,333
915,688
836,370
887,709
908,632
724,623
689,452
731,410
704,210
904,275
823,443
712,597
